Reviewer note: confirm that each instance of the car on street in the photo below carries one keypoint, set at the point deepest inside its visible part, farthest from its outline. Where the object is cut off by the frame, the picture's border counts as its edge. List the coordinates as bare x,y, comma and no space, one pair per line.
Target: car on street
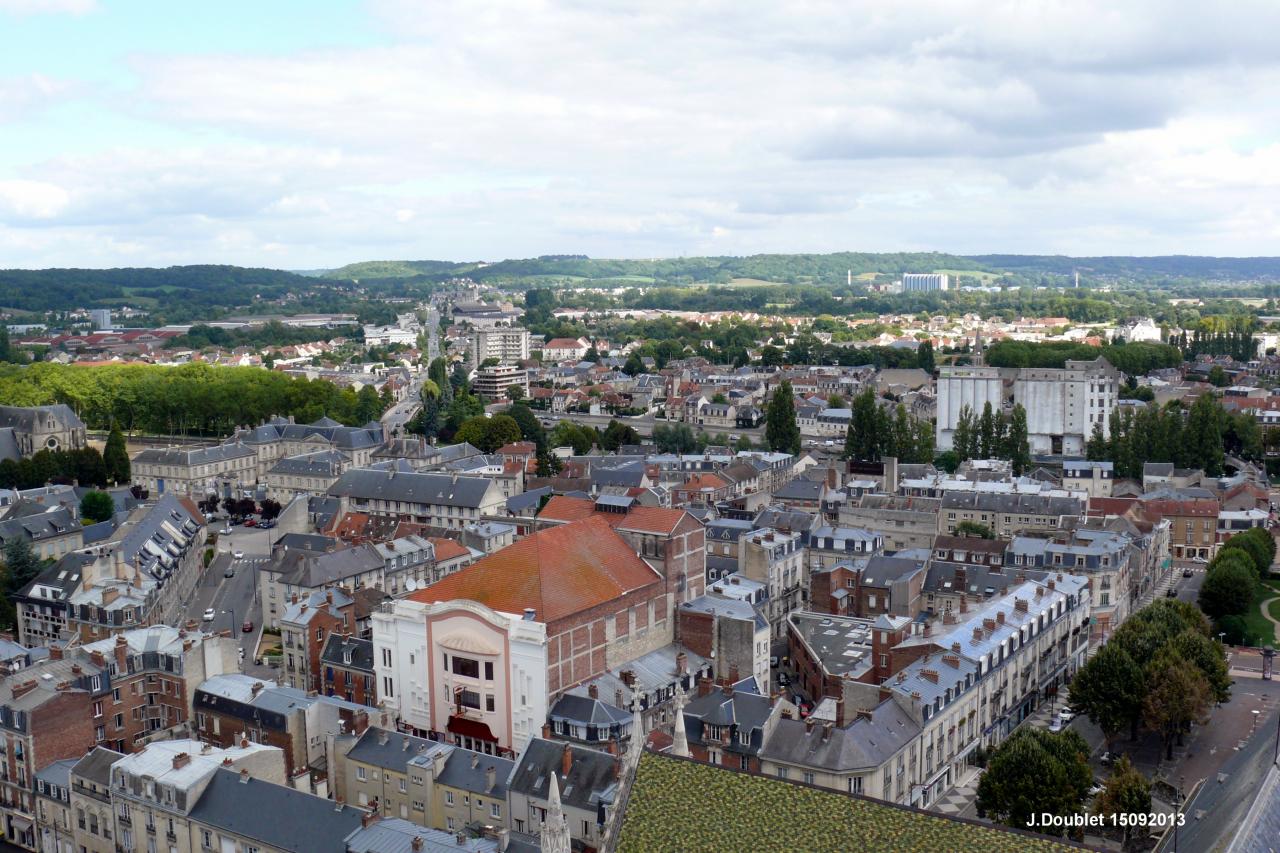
229,573
1107,759
226,531
238,555
209,614
1186,573
773,661
1171,592
1066,715
783,681
266,525
247,626
249,522
1056,725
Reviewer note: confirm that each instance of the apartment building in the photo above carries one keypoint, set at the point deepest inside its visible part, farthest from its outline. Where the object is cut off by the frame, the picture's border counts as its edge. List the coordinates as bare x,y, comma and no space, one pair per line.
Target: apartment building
224,470
507,345
438,500
306,474
776,560
902,523
1006,515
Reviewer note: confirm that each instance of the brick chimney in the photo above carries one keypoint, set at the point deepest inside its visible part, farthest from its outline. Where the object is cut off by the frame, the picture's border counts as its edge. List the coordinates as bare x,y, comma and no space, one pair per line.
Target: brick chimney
682,663
1050,583
704,686
23,689
964,602
76,670
244,775
988,625
952,661
1020,604
122,653
416,844
961,577
98,659
55,652
566,762
977,634
955,648
733,675
593,691
930,674
368,818
948,618
1000,616
181,760
255,688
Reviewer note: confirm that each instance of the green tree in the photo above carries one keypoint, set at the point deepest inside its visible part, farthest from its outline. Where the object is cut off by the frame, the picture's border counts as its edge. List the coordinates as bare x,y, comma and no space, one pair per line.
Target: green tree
1229,587
1033,773
1203,436
368,404
634,366
515,393
924,356
488,434
975,530
1017,442
965,440
116,456
987,432
569,434
863,439
617,434
781,431
20,568
530,427
1179,696
96,506
744,443
1109,689
835,401
1127,792
1218,377
771,356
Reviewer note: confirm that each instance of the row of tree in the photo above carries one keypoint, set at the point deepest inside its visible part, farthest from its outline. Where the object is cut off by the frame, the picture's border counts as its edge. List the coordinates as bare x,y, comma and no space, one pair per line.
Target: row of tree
85,467
877,430
1235,340
197,399
1195,438
993,435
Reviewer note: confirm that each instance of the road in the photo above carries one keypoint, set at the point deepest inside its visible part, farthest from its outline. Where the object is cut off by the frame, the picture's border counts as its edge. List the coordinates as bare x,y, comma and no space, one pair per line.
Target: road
232,599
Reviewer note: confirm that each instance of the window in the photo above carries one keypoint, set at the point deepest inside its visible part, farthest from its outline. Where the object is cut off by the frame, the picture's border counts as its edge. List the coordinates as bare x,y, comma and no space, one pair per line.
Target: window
466,667
488,702
469,699
360,774
488,672
855,784
386,657
495,810
448,798
808,778
206,838
388,687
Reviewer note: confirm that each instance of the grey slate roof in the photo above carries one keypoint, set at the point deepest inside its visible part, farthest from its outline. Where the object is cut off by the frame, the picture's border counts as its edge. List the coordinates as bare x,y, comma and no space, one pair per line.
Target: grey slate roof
24,417
592,777
587,711
422,488
865,743
48,523
742,711
469,771
312,570
189,456
1015,504
396,835
321,463
391,755
254,809
96,766
882,571
336,646
527,500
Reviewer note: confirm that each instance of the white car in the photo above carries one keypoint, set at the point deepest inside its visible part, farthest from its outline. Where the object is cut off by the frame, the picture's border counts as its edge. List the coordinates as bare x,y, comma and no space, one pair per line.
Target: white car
209,614
1066,716
238,555
1056,725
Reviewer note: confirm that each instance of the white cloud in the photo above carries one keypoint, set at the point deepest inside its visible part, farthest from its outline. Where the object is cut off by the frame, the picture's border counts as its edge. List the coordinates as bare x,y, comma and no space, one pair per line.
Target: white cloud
47,7
520,128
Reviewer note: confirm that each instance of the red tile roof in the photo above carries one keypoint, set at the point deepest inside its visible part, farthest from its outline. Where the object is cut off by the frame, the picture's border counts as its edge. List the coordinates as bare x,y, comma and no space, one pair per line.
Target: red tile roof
647,519
447,549
558,572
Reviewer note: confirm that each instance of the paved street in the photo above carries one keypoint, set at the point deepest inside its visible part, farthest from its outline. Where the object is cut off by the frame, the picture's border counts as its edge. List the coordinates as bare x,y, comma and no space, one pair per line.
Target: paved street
232,599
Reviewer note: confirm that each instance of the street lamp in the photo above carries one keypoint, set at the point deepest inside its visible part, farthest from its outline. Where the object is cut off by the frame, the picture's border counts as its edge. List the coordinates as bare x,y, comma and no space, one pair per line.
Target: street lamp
232,612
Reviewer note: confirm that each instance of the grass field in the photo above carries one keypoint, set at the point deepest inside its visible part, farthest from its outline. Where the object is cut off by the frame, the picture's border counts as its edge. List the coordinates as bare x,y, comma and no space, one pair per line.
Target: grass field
1261,631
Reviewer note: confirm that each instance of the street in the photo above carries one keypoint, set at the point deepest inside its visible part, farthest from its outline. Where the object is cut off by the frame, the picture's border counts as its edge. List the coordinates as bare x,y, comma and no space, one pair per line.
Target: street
232,599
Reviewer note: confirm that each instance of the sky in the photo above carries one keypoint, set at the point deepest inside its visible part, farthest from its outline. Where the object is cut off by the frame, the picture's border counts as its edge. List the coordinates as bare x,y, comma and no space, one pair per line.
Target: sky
305,135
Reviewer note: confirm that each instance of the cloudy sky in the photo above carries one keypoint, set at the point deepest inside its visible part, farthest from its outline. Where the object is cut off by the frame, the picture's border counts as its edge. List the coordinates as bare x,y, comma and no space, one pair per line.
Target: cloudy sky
302,134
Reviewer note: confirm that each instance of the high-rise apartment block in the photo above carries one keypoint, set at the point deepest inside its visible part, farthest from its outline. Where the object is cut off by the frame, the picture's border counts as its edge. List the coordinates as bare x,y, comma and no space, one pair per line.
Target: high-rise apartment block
507,345
925,281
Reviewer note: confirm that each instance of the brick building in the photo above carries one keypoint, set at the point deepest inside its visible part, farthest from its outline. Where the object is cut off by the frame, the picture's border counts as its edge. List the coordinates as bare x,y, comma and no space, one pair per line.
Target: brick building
305,626
346,666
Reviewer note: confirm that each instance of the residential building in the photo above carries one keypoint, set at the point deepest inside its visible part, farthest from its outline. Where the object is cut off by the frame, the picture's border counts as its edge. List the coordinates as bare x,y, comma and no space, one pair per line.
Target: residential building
346,666
438,500
51,531
54,829
1091,476
90,782
913,282
306,474
828,545
492,383
587,782
903,523
507,345
225,470
1005,514
306,624
776,559
726,725
280,437
731,632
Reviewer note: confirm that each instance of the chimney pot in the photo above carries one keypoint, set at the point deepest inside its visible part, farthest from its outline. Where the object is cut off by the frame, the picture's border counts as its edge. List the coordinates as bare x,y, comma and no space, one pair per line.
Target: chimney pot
566,762
1000,617
593,691
244,774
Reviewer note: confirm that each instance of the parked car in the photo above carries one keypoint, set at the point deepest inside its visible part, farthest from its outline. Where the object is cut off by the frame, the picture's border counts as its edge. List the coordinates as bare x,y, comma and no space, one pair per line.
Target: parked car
249,522
783,681
226,531
1107,759
773,661
1056,725
209,614
266,525
1066,715
1097,789
237,555
247,626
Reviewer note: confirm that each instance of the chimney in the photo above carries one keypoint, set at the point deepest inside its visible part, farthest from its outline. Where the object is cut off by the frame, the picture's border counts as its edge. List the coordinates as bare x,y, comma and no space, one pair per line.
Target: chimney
704,686
566,762
930,674
475,760
255,688
826,732
733,675
75,669
244,743
491,777
244,775
988,625
546,731
55,652
383,737
1000,616
1039,592
122,653
338,803
368,818
928,630
97,658
1020,577
23,689
593,691
181,760
530,614
952,661
955,648
416,844
1051,583
64,685
328,596
961,577
617,699
293,599
404,745
227,762
682,663
1020,604
808,725
964,602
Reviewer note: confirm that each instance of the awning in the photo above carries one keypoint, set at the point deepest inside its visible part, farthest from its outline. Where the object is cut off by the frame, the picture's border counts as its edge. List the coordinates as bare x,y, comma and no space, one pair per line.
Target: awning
470,728
20,823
